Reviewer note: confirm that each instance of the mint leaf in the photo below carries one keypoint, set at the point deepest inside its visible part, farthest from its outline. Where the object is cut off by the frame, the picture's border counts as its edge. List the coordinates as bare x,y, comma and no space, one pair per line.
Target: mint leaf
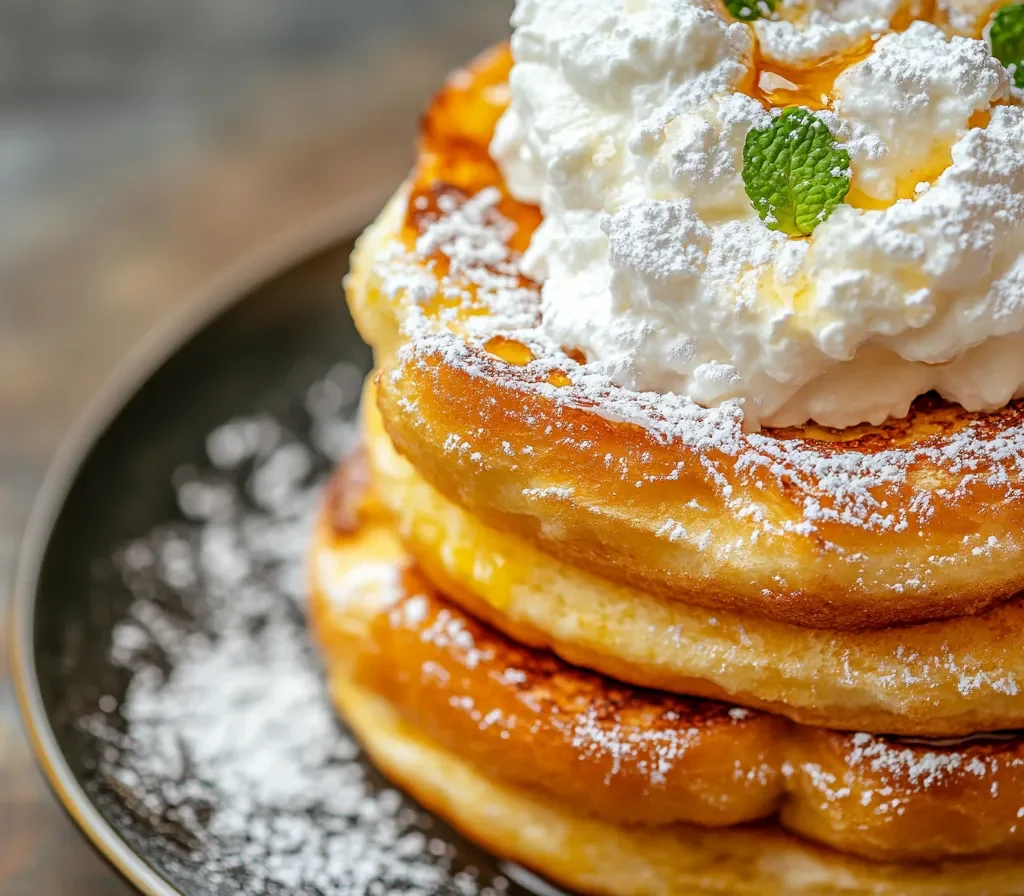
748,10
794,172
1007,39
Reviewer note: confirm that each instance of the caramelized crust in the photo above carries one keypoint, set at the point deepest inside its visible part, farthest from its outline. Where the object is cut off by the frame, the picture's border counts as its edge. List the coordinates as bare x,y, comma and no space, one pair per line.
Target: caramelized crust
952,677
636,757
590,855
631,756
945,801
869,527
612,751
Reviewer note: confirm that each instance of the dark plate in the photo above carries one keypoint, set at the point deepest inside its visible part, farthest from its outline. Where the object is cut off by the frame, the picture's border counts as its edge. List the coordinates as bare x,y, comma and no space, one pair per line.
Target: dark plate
159,645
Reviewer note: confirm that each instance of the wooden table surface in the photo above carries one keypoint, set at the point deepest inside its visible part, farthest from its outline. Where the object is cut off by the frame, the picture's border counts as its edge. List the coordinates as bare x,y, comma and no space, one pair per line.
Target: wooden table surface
140,154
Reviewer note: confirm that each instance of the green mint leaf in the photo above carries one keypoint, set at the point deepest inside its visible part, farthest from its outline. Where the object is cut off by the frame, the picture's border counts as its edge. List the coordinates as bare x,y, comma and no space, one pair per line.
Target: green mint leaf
748,10
1007,39
794,172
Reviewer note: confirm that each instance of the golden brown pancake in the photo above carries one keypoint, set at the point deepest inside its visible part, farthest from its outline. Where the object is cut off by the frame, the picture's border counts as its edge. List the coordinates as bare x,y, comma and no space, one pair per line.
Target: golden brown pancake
591,855
630,756
916,520
950,677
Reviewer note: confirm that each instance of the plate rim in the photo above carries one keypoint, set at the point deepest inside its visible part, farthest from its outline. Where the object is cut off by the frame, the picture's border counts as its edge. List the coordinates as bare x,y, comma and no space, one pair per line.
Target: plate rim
170,333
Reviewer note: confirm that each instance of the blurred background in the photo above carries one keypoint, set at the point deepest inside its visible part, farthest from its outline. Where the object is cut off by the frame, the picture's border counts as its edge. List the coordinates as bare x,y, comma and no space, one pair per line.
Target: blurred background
144,147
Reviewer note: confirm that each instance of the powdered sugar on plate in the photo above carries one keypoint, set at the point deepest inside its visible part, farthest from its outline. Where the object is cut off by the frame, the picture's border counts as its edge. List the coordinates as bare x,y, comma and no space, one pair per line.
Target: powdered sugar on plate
224,749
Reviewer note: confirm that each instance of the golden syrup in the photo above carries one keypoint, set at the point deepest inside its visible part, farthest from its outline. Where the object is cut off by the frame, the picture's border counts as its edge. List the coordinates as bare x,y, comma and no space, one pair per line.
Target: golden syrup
576,354
857,199
981,19
916,11
906,188
776,85
980,119
559,379
510,350
928,172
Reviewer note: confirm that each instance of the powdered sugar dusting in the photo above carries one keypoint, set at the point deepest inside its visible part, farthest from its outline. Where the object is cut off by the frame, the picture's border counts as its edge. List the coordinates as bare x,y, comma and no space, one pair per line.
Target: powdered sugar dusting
829,29
627,732
592,735
878,491
632,734
886,775
655,263
225,745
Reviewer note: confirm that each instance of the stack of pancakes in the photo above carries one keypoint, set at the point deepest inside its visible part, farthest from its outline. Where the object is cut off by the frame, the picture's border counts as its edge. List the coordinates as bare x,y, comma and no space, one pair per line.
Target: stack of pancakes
620,640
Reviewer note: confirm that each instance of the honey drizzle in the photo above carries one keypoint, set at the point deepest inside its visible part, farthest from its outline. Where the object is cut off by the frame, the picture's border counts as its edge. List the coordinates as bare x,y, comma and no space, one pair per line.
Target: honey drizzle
928,173
776,85
514,352
982,17
510,350
981,118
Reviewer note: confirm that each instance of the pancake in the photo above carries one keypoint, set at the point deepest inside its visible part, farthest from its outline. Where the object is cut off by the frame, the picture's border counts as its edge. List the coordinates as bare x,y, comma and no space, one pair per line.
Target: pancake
952,677
595,856
637,757
918,519
629,756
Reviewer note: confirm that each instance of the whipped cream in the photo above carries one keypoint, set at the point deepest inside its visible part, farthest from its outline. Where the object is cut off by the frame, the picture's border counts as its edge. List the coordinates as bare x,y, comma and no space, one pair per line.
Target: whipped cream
905,105
626,124
800,37
967,17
